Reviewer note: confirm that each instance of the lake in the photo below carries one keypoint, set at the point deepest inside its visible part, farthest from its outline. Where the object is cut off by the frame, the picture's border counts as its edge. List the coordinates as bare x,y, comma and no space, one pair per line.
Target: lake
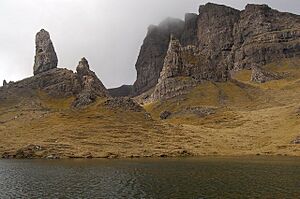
204,177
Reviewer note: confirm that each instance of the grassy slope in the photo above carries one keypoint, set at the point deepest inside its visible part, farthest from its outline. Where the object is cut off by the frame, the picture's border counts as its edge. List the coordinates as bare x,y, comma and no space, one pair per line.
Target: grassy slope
250,118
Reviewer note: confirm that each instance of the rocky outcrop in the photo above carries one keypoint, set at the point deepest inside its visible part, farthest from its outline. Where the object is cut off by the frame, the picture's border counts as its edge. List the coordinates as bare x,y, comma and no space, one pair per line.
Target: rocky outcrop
45,56
90,86
5,83
260,75
56,82
123,103
152,53
122,91
184,68
217,41
175,66
165,115
263,35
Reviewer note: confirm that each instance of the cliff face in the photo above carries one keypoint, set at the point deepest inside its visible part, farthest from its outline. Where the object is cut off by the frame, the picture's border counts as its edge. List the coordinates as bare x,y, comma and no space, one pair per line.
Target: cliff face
217,41
153,52
263,35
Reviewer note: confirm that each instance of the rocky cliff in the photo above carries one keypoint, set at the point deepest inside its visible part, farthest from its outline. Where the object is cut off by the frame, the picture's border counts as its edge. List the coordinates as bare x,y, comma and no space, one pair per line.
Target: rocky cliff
216,42
56,82
153,51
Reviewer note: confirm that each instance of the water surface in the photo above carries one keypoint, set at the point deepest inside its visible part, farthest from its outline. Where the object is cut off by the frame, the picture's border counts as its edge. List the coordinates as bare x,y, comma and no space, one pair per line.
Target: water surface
206,177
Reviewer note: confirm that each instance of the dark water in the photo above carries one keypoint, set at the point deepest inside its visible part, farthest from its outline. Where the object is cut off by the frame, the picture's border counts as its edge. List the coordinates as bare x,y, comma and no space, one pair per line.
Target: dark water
209,177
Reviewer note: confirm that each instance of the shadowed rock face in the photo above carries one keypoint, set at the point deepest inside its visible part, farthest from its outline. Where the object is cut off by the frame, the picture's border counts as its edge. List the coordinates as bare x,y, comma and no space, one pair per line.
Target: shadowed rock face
122,91
221,39
45,56
153,52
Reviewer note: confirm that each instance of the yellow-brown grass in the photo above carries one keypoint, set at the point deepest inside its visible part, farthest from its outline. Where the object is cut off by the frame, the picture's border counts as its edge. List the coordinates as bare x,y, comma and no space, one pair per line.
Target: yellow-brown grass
249,118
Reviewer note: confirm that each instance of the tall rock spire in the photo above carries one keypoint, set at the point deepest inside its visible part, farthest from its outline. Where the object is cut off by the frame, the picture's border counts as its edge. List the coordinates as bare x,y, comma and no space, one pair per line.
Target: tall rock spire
45,56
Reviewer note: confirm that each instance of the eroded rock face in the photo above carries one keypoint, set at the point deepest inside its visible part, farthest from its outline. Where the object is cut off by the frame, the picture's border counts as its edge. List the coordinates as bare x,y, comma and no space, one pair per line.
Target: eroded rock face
184,68
45,56
263,35
153,52
90,86
218,40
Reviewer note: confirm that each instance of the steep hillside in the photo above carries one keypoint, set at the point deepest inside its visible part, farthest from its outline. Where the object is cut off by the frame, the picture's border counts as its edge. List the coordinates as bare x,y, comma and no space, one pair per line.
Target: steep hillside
241,116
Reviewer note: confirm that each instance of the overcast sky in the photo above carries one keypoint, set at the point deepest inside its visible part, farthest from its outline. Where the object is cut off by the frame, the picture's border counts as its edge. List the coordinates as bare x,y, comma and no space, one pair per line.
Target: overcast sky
108,33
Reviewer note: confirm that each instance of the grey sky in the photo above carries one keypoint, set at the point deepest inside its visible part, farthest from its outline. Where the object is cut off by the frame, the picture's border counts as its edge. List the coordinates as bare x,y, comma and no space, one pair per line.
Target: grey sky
108,33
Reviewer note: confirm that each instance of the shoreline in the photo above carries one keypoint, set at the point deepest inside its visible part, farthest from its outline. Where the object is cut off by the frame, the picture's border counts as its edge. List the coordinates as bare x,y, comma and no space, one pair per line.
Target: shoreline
136,157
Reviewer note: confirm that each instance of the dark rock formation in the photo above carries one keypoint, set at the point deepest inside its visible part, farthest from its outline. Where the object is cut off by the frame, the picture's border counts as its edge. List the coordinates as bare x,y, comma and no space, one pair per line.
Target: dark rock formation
261,75
90,86
122,91
165,115
153,52
216,41
189,34
45,57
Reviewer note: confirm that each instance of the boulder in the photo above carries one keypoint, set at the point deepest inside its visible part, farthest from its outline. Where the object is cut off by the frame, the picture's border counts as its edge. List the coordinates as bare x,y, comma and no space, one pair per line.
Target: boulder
45,56
165,115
